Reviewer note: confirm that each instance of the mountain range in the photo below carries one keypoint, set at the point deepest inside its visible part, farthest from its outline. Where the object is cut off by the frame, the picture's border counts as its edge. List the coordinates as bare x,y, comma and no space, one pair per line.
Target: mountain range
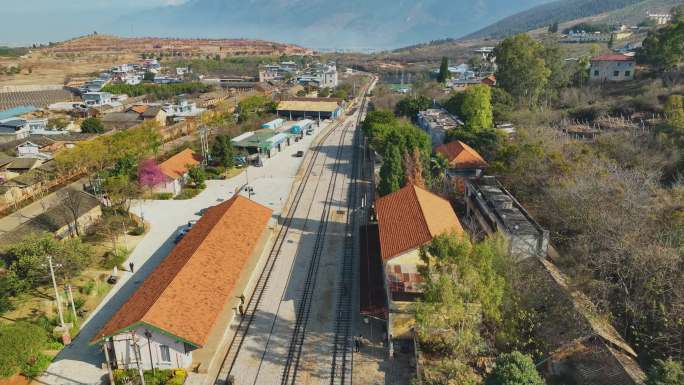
608,11
323,24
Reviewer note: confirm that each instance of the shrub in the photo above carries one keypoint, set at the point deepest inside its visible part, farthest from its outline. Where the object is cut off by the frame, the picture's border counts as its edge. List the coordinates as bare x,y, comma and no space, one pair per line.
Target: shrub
162,196
515,369
87,289
114,258
20,343
138,230
189,193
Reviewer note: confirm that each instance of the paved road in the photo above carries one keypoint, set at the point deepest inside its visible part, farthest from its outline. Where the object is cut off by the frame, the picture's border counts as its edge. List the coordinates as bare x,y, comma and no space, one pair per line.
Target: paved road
80,363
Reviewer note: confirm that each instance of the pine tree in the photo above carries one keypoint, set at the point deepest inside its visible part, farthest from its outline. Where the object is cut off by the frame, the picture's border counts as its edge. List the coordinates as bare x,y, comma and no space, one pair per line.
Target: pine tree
444,73
391,172
553,28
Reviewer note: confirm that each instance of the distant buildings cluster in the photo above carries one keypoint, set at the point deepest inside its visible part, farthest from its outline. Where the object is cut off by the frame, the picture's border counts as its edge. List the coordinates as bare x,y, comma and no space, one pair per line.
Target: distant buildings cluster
320,75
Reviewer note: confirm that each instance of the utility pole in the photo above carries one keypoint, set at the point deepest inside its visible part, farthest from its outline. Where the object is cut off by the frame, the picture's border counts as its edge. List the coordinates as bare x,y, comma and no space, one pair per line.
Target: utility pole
70,295
138,357
105,347
204,142
54,285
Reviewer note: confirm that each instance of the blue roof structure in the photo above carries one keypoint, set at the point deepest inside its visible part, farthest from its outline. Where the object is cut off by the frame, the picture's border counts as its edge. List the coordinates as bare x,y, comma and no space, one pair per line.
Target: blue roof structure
16,111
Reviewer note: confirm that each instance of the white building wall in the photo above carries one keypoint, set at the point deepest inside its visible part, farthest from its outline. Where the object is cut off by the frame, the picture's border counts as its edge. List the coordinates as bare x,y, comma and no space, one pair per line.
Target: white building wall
126,345
613,71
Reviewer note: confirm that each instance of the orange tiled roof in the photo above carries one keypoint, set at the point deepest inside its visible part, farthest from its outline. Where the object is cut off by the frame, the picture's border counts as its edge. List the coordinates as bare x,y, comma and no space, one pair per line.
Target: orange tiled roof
411,217
460,155
139,108
186,293
179,164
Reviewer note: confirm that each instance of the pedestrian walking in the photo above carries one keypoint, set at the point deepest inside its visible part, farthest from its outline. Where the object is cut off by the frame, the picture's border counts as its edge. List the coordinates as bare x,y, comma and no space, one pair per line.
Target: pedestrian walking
130,265
241,309
357,344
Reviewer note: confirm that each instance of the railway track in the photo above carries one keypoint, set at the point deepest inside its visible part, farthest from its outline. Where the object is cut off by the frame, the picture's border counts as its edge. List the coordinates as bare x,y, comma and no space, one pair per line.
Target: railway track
294,353
341,365
303,307
253,304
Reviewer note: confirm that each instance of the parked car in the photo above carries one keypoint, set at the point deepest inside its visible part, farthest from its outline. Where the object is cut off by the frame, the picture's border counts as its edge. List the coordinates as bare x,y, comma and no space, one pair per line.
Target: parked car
299,154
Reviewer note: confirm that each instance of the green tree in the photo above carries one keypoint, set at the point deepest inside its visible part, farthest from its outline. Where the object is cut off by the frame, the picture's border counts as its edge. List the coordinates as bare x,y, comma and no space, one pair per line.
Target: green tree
410,106
444,73
477,108
197,176
28,258
391,171
663,49
668,372
148,76
515,369
92,125
522,70
222,151
553,28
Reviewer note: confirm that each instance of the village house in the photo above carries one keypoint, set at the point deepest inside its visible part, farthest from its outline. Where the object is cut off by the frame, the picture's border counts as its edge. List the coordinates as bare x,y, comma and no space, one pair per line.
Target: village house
436,122
462,159
176,170
155,114
612,68
408,219
120,120
74,212
14,129
179,316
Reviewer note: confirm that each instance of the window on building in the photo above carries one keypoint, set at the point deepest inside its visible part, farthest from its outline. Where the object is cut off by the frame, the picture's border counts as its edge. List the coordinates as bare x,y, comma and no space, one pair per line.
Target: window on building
628,73
165,353
596,73
616,73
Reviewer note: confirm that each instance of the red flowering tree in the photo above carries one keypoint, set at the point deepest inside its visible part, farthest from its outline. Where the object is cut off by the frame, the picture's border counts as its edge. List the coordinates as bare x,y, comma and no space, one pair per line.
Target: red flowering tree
150,174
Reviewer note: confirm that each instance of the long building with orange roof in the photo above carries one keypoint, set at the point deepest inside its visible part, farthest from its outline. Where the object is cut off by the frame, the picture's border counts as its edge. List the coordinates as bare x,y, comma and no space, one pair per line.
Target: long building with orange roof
183,307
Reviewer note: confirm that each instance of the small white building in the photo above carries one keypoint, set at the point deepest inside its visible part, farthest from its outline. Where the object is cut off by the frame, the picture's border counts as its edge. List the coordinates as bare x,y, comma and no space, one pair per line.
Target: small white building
97,99
14,129
660,18
612,68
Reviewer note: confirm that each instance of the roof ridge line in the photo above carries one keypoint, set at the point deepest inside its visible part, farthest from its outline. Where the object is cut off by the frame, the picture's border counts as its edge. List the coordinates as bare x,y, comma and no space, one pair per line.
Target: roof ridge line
422,210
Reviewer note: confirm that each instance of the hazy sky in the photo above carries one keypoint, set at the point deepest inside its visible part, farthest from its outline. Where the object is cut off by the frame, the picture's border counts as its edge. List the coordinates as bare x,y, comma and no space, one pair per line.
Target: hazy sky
40,21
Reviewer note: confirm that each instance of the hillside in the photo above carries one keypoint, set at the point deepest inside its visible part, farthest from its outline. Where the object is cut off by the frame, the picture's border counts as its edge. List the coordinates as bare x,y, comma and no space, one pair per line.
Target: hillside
325,24
609,11
224,47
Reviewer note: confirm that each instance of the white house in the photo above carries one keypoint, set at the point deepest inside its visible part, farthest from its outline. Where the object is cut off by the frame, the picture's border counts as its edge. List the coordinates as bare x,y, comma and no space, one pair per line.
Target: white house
14,129
97,99
176,171
612,68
